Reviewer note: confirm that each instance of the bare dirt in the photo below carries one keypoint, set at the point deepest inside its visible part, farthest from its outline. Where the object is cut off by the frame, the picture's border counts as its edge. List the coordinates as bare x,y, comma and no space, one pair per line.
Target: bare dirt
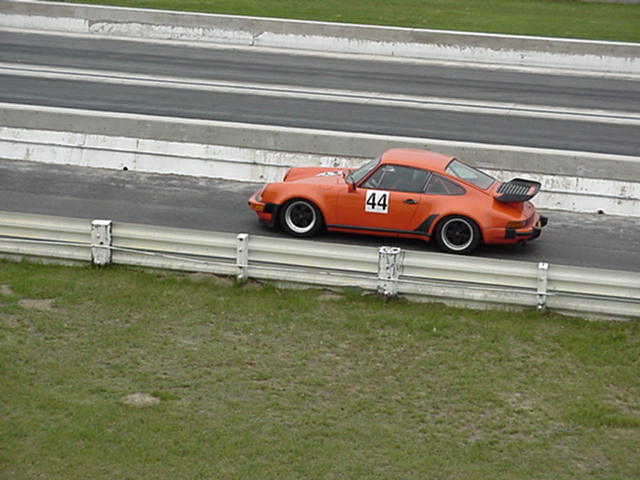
6,290
140,400
43,304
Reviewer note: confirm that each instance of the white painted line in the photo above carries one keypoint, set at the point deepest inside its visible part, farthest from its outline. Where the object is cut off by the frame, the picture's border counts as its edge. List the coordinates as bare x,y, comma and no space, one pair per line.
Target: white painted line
361,57
327,95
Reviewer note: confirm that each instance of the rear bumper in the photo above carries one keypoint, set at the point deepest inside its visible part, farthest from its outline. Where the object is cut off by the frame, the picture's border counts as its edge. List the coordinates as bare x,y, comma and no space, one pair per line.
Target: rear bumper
506,236
527,234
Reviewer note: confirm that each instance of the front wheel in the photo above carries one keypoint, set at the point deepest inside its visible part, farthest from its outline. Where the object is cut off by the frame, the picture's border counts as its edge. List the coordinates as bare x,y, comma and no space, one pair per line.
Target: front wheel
457,234
301,218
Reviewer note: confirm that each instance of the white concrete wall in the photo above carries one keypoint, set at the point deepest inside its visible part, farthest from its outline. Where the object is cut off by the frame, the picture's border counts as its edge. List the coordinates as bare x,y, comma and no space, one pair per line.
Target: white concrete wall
318,143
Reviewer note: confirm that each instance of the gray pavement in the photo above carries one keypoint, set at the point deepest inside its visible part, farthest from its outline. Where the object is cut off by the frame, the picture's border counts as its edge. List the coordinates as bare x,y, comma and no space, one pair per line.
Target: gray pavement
236,65
321,73
588,240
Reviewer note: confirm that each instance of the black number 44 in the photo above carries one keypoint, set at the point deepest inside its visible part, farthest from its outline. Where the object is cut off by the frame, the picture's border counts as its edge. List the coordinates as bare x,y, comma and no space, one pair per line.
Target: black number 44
378,202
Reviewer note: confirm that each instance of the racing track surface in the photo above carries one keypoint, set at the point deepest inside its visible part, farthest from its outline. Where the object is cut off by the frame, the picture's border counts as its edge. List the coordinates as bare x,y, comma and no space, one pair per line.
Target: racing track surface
163,78
188,202
27,77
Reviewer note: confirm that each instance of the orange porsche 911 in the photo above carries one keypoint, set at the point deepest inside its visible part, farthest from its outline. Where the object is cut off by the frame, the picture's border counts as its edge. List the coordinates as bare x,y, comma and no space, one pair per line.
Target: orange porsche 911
404,193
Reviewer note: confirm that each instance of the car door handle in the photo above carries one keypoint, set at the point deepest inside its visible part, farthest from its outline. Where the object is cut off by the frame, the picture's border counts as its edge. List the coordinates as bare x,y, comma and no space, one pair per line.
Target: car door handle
410,201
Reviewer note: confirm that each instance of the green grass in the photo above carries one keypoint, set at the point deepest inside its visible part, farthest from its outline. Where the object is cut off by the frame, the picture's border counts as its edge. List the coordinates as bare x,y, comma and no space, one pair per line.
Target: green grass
257,382
556,18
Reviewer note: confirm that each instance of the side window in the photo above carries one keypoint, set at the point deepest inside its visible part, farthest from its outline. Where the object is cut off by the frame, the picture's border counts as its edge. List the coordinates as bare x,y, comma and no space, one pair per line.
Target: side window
438,185
395,177
376,178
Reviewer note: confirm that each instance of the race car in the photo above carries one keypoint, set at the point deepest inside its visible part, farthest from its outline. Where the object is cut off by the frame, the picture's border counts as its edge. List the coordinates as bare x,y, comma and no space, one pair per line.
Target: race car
404,193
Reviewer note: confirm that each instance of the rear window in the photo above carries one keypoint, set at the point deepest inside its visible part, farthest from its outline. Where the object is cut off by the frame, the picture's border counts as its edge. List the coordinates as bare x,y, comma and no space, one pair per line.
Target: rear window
437,185
469,174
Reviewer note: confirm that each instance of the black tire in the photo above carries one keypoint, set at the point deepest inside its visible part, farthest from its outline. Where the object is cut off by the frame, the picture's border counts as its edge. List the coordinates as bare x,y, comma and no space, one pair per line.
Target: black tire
457,234
301,218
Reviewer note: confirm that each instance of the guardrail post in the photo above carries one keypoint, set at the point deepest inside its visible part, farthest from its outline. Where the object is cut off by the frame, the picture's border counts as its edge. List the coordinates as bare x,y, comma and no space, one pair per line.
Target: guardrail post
242,257
543,274
389,266
101,242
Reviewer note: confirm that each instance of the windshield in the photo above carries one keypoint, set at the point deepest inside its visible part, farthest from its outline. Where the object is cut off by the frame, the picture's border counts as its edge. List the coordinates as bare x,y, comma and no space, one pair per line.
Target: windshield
363,171
469,174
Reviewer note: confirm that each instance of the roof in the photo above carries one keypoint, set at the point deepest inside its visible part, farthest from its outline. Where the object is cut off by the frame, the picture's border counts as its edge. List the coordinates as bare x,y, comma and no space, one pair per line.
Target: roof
416,158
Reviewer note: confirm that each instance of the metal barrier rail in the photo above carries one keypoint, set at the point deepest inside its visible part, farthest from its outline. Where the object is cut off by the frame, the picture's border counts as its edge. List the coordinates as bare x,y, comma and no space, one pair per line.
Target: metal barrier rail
390,271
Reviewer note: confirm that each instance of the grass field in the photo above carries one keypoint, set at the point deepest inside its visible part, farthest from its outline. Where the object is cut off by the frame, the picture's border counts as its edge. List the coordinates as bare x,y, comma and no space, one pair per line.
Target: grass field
558,18
256,382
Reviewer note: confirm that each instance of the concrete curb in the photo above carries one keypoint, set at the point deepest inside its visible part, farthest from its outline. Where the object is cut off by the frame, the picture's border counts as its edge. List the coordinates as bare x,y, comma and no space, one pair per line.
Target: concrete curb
581,55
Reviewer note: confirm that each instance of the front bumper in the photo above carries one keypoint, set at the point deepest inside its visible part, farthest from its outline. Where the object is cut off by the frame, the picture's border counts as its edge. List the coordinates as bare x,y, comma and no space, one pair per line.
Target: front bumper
267,212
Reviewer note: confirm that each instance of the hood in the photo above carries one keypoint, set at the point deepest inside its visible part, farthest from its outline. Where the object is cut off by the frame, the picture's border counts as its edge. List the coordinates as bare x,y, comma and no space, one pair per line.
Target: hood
315,175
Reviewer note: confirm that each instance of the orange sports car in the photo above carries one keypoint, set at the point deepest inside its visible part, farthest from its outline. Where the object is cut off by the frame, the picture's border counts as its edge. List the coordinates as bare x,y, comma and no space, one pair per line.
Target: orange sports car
404,193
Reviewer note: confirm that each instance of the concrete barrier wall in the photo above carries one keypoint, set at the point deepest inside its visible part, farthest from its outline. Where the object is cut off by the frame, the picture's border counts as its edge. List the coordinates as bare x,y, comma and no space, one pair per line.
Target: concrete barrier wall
613,57
329,144
259,164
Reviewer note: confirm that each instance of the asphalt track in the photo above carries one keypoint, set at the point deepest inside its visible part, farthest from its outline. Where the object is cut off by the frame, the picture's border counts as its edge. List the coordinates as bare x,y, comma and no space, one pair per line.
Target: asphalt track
585,240
550,94
216,205
242,65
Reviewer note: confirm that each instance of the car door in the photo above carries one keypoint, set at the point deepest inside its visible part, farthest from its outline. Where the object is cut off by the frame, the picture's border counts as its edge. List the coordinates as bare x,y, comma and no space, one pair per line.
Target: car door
439,195
385,201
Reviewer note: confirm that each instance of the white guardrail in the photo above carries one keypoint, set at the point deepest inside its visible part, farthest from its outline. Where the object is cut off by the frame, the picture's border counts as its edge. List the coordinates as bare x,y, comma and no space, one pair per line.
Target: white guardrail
425,276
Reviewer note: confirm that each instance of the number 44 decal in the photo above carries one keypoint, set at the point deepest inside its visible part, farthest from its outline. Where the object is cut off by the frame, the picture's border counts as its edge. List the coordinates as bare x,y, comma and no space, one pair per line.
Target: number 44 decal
376,201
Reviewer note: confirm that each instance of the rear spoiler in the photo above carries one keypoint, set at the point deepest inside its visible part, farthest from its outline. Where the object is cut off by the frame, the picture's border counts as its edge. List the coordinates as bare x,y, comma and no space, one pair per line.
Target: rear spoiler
517,190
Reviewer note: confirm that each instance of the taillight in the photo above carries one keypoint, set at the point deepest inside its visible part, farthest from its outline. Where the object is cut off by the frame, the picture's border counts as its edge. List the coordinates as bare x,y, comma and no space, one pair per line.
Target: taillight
519,224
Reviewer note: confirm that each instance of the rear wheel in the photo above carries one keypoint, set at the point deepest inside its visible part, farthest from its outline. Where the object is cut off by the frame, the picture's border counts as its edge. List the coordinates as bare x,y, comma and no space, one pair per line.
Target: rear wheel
457,234
301,218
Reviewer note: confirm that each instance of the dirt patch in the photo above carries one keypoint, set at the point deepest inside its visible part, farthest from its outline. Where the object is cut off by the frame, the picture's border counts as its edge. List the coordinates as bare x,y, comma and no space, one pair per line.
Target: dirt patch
329,296
252,285
36,303
6,290
9,321
140,400
208,277
623,399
